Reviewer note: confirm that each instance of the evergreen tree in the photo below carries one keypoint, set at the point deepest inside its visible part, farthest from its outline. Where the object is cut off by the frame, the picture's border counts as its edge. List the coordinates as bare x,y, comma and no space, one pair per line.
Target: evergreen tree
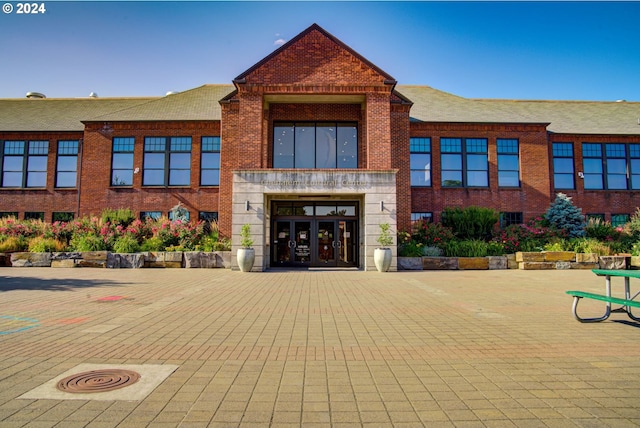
563,215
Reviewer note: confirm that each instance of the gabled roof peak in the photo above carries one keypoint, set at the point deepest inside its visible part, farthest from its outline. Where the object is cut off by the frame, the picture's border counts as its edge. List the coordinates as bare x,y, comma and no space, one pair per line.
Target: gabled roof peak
240,79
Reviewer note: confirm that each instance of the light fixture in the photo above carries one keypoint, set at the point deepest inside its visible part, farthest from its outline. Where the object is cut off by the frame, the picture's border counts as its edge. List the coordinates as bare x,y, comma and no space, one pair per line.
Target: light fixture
246,205
381,205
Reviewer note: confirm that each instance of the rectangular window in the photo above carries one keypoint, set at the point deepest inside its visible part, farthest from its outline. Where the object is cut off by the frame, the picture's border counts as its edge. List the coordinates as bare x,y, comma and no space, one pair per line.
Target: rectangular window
595,217
634,164
63,217
9,214
612,166
210,216
34,215
167,161
563,172
420,161
210,162
451,162
509,218
464,162
315,145
151,215
416,217
122,161
508,163
67,167
24,164
619,219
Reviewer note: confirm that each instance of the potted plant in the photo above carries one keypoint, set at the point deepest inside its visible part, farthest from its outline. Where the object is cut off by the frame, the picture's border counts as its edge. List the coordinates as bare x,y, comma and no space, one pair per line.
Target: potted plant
246,254
382,256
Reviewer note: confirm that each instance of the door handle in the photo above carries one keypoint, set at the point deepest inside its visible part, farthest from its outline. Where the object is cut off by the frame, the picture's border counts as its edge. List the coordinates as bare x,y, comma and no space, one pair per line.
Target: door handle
292,244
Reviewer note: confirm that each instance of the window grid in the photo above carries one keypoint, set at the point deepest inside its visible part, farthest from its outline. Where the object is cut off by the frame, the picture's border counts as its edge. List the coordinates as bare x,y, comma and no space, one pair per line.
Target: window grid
611,166
619,219
563,166
315,145
426,216
210,162
508,163
509,218
122,161
24,164
167,164
464,165
420,161
67,165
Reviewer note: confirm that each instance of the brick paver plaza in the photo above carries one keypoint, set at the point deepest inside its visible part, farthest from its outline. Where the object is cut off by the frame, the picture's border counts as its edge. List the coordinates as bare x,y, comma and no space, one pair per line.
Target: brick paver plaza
319,348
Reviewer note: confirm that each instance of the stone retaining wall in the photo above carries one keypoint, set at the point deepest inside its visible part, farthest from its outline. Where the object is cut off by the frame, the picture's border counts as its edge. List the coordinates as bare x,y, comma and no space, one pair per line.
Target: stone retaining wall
544,260
106,259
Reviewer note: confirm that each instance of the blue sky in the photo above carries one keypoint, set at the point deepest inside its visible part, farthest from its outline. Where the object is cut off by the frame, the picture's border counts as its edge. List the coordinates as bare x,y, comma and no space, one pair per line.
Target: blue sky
513,50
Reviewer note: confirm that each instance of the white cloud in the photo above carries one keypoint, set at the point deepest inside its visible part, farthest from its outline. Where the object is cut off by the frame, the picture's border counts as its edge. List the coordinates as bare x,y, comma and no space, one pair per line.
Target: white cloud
280,42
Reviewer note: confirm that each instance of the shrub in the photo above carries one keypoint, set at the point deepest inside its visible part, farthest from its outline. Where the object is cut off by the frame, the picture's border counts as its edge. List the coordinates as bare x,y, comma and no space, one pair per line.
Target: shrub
495,248
88,243
40,244
635,249
590,245
13,244
531,236
152,244
431,234
410,249
245,236
126,244
385,239
602,230
466,248
563,215
632,227
122,216
475,223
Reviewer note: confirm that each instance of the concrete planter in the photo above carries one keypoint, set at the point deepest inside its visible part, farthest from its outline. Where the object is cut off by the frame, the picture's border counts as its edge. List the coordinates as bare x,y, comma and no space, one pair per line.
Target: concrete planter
246,258
382,258
634,262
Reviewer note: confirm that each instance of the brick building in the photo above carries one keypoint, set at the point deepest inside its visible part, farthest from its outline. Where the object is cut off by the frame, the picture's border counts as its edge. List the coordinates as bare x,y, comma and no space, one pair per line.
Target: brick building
315,146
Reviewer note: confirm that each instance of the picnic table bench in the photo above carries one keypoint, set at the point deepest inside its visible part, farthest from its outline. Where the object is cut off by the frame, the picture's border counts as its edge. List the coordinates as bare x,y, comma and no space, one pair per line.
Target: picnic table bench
625,303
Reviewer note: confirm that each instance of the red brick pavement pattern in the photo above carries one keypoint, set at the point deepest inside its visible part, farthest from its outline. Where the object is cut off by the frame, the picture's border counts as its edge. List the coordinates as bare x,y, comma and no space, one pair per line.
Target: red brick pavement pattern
342,348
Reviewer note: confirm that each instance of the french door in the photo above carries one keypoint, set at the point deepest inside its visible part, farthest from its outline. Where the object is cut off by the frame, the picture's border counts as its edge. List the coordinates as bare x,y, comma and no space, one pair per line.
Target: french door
303,243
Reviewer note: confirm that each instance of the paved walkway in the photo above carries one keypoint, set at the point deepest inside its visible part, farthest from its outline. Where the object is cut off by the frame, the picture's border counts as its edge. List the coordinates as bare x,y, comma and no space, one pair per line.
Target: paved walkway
319,348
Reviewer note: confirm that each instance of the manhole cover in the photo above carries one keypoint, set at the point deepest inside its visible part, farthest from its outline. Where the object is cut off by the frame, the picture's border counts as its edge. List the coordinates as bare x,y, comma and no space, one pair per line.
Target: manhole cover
98,381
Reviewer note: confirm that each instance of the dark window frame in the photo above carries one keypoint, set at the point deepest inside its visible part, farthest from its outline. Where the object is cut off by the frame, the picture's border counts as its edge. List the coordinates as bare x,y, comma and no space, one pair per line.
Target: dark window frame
210,146
171,146
560,150
122,146
67,149
509,218
505,148
295,126
420,146
32,149
464,148
607,154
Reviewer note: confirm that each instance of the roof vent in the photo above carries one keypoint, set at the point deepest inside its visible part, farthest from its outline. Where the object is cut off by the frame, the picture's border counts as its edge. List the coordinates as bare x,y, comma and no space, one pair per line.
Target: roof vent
171,93
93,95
35,95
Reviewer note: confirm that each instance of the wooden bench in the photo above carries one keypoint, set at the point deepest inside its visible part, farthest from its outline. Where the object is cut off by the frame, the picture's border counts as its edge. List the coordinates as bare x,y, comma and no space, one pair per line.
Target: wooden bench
625,303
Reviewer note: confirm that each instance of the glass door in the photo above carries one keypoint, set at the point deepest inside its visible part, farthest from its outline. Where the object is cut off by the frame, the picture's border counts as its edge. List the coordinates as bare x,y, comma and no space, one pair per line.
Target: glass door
327,243
347,243
291,243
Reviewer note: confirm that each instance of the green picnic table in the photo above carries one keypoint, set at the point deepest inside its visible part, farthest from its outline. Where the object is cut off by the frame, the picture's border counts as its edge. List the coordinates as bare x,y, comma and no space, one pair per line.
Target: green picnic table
625,303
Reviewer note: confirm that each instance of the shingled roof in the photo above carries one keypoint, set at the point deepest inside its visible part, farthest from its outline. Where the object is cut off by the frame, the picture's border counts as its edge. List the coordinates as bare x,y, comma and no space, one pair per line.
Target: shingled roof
429,105
201,103
567,117
57,114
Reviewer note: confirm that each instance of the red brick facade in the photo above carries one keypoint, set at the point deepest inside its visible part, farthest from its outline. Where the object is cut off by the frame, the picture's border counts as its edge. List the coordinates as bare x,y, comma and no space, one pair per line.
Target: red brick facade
314,77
